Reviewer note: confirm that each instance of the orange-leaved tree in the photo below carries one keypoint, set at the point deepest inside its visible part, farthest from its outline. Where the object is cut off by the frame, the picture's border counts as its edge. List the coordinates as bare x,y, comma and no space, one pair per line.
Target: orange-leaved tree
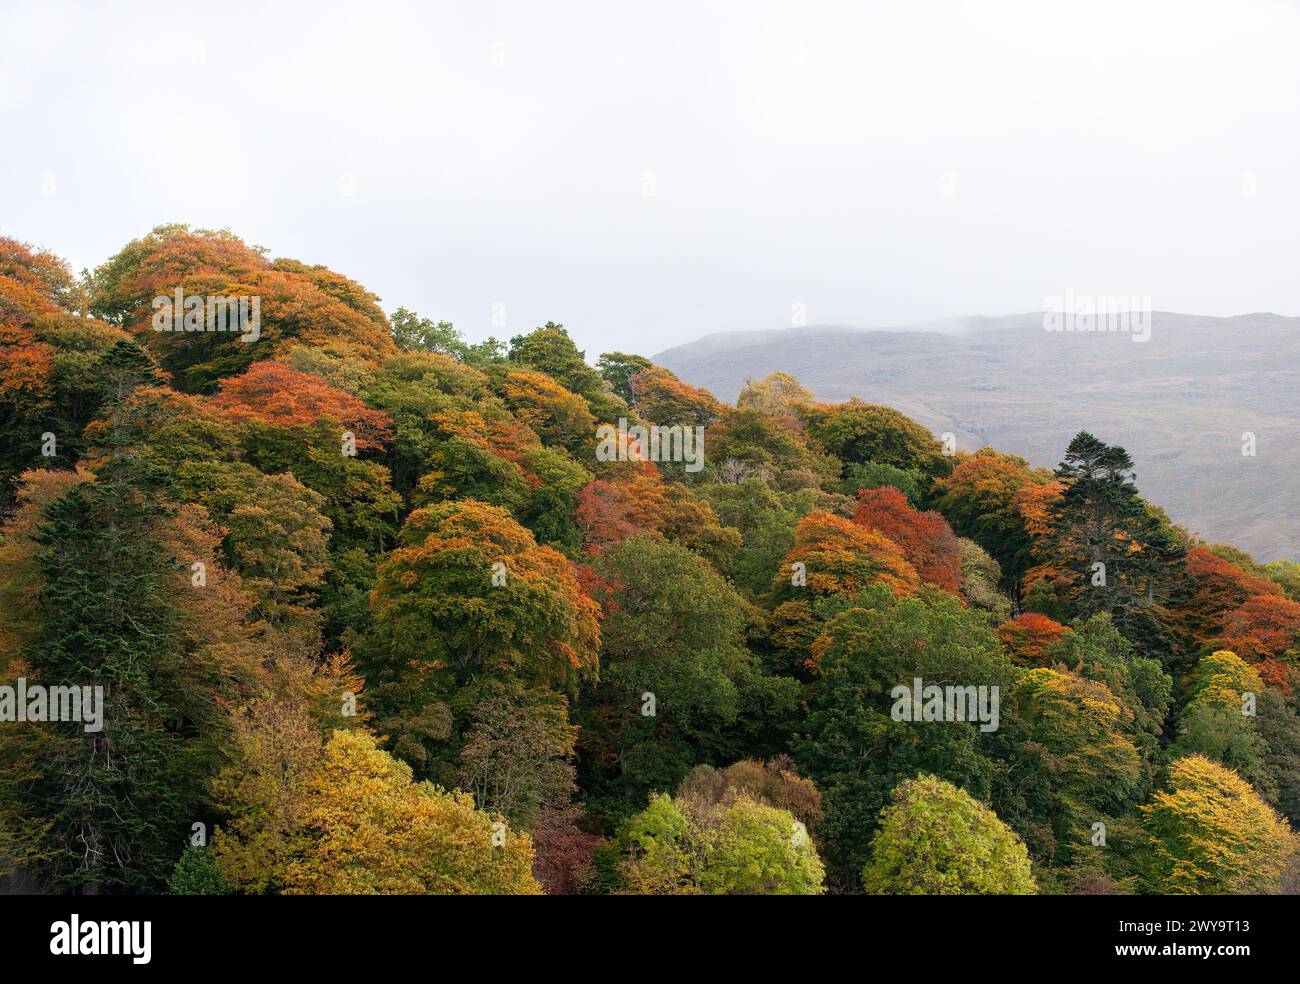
295,303
1262,627
839,556
831,556
1027,637
273,394
926,538
1221,587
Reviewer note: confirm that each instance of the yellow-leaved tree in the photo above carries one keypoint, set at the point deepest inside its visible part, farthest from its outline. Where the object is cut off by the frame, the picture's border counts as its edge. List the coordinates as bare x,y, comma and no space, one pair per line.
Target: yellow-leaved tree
1209,833
371,831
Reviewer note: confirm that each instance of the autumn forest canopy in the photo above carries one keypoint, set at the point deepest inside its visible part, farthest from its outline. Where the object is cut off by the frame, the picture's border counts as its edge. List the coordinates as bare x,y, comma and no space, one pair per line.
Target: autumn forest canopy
365,607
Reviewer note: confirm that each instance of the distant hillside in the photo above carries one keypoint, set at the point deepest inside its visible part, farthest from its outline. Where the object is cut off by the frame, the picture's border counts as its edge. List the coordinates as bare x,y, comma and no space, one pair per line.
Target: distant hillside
1179,402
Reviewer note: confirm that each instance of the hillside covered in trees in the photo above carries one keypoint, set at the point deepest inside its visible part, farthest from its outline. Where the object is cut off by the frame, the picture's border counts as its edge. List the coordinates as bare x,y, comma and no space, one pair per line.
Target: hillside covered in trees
373,609
1179,403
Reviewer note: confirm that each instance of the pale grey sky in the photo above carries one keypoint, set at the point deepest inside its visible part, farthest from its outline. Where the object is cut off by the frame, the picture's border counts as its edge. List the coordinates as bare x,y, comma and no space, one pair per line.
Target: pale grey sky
650,172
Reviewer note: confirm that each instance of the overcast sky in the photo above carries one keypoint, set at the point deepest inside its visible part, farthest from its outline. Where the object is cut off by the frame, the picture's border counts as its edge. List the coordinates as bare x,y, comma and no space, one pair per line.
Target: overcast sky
647,173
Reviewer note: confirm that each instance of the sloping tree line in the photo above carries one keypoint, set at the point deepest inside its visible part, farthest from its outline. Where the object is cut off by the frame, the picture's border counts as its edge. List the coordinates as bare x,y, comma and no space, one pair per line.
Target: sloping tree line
371,615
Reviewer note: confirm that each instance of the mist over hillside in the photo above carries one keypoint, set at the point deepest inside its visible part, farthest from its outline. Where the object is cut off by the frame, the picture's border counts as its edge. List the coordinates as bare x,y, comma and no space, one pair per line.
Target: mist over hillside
1180,401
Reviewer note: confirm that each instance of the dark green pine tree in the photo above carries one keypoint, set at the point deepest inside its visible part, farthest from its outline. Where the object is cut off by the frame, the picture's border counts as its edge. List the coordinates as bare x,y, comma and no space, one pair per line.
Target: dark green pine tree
115,798
1126,559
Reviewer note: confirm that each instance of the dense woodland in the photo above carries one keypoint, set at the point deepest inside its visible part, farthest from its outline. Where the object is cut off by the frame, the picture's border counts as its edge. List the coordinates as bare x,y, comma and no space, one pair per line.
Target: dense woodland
371,615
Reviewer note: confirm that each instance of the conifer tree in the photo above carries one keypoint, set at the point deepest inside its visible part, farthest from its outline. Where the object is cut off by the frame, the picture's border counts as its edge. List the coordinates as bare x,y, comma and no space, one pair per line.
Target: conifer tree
115,798
1120,556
